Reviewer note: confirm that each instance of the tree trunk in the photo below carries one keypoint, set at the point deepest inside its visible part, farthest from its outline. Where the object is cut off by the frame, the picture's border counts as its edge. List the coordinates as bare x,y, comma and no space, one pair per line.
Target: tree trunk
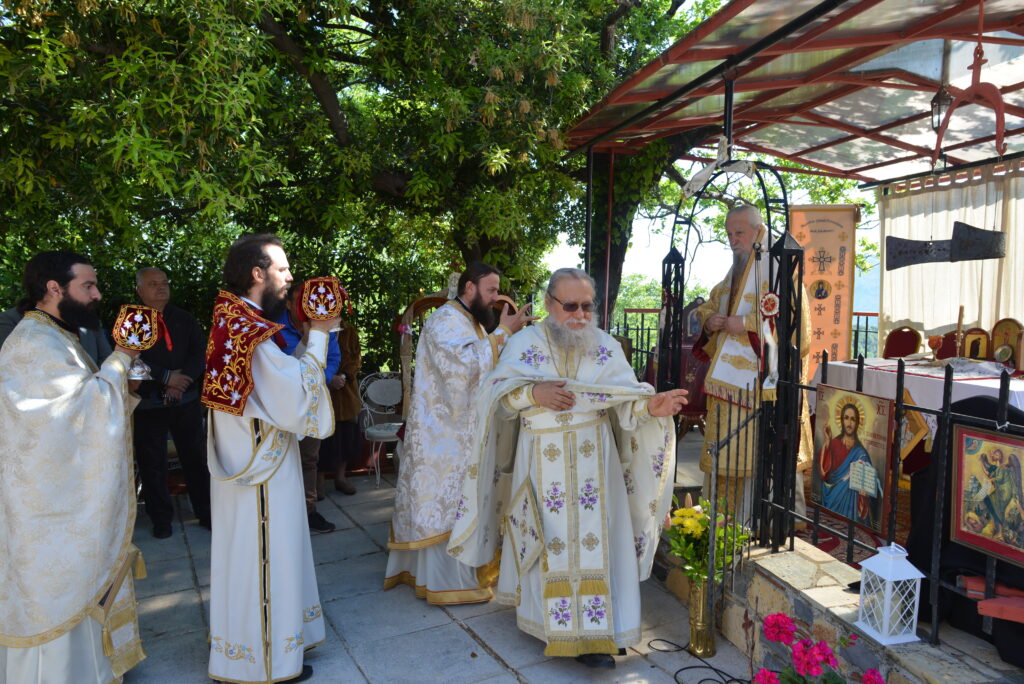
634,177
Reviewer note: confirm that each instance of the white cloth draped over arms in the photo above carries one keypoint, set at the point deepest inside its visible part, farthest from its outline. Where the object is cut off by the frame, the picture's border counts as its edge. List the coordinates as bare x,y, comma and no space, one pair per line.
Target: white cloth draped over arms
453,356
576,498
67,507
261,552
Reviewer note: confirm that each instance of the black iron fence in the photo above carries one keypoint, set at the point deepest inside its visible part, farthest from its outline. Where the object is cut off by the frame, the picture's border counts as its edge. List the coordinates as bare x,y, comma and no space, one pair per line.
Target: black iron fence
865,335
931,498
640,326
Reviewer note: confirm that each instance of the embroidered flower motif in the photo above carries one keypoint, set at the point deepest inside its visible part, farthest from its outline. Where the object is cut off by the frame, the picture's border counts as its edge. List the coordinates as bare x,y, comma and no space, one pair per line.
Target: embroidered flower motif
133,340
461,509
561,612
601,355
633,445
533,356
554,498
213,373
588,494
235,396
627,477
227,358
658,462
233,651
597,397
228,344
137,318
293,642
640,544
595,609
321,289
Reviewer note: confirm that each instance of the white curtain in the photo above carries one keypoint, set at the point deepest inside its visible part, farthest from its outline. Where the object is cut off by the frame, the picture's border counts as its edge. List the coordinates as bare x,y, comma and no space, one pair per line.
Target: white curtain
927,297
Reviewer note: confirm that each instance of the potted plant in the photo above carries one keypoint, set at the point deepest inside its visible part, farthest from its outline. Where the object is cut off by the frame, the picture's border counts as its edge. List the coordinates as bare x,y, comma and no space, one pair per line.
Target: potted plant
690,533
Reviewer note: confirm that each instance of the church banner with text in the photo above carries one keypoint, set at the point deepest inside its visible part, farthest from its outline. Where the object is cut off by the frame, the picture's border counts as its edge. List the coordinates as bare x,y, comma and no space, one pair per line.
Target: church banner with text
826,232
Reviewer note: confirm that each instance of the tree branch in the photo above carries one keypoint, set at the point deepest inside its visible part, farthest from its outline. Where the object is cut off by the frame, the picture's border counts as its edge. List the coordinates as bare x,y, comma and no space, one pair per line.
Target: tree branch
322,90
611,23
348,59
673,8
350,27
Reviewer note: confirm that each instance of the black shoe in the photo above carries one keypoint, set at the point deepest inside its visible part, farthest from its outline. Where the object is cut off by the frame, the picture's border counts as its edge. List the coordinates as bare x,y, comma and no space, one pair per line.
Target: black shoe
307,672
596,660
205,523
162,530
319,523
344,487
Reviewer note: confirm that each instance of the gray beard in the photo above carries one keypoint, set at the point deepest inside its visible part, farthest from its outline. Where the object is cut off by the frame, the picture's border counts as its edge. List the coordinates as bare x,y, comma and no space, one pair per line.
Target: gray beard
564,338
739,262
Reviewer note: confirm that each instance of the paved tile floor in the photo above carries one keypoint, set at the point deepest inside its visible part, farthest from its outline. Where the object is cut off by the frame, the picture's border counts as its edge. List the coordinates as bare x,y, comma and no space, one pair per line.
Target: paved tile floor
378,636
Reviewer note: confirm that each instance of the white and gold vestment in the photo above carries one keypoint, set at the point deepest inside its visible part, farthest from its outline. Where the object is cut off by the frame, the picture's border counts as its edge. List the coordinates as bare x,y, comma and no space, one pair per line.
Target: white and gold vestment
731,384
67,510
575,498
453,356
264,604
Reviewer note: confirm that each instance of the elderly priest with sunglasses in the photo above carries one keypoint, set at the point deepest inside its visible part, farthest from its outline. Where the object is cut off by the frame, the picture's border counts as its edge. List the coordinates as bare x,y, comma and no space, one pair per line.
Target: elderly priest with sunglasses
572,475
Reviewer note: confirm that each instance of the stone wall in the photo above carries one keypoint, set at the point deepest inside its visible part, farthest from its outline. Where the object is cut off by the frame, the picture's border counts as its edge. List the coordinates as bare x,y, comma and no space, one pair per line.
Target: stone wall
811,587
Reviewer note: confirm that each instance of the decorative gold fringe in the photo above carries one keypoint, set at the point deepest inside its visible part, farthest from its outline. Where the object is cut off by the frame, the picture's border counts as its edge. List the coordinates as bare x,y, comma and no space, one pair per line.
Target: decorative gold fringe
768,395
593,587
108,644
487,575
558,589
139,567
572,649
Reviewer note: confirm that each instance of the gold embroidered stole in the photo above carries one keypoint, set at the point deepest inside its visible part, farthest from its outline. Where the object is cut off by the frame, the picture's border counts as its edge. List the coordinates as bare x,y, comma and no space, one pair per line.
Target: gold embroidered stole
568,474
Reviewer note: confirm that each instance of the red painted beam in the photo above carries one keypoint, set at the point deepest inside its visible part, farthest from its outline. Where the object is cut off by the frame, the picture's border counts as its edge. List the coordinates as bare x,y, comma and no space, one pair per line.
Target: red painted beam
865,133
806,162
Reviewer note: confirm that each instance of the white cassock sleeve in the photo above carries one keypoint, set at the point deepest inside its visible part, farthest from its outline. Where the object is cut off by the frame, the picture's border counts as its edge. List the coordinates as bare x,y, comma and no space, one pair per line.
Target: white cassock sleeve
291,393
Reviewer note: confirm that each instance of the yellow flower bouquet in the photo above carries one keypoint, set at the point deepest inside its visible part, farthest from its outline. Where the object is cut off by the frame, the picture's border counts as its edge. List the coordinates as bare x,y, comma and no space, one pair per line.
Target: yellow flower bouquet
689,532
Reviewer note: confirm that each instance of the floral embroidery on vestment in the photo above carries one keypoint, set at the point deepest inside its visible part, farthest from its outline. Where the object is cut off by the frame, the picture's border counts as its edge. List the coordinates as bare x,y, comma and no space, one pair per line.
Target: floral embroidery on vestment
554,498
236,332
533,356
588,494
232,651
311,613
561,612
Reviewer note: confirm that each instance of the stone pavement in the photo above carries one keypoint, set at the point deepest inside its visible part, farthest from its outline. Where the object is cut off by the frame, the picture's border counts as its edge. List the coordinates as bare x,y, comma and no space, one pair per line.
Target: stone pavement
378,636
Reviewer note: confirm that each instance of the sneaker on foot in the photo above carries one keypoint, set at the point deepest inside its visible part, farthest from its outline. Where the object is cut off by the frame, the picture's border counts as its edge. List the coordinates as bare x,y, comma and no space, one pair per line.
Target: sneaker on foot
319,523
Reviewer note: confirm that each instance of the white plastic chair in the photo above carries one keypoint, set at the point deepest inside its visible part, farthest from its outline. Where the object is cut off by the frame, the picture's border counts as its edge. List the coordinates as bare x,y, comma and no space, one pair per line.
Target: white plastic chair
382,395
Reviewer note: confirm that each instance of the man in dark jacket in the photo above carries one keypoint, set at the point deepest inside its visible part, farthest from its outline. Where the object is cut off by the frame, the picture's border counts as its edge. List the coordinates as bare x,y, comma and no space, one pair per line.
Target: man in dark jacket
170,403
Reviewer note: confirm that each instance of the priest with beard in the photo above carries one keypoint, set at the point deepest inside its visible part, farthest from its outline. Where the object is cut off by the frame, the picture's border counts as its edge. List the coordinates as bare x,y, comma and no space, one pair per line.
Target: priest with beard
454,353
67,490
264,605
571,476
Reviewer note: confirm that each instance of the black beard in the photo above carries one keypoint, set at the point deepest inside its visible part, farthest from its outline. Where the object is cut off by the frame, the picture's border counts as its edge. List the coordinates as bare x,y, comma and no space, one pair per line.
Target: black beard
484,314
77,314
272,305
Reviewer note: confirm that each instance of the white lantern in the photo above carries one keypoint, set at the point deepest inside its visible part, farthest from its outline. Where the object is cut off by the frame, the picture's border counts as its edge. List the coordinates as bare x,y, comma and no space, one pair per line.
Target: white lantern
890,590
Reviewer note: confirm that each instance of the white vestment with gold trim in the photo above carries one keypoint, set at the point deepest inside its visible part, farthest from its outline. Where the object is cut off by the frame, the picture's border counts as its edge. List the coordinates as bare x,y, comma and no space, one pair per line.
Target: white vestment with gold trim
453,356
575,498
264,604
67,511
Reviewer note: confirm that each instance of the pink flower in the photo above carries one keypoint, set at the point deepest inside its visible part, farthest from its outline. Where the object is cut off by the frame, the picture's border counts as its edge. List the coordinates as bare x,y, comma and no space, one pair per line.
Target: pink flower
824,654
779,627
764,676
806,660
872,676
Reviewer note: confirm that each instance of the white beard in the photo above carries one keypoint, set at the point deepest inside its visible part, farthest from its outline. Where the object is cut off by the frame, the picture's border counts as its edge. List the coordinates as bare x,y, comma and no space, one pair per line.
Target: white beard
569,339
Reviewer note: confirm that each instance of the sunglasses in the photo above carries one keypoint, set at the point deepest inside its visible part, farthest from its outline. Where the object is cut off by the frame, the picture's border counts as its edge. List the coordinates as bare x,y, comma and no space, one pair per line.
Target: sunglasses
570,307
